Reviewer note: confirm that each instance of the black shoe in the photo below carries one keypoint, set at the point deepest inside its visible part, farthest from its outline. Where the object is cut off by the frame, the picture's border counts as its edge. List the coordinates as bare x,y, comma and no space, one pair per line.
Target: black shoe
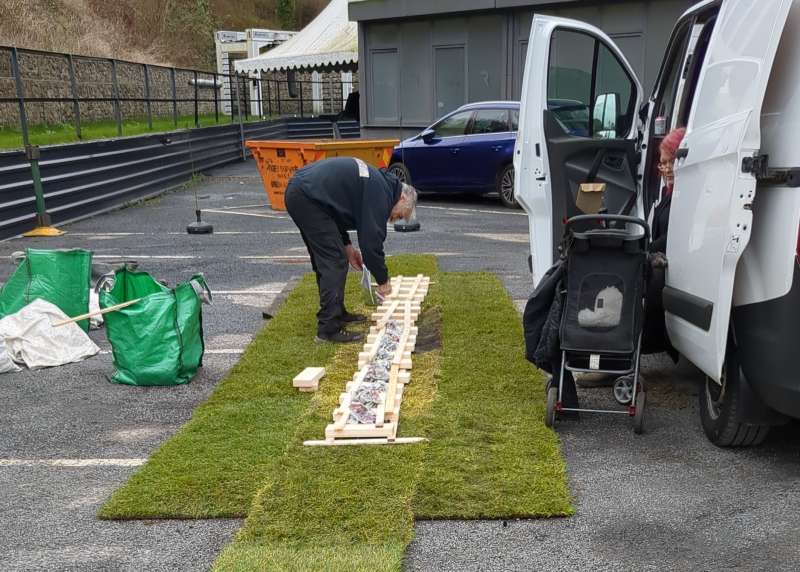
340,337
348,318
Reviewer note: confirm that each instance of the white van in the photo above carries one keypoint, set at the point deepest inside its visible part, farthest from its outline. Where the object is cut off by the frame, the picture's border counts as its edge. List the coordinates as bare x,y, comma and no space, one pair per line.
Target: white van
731,76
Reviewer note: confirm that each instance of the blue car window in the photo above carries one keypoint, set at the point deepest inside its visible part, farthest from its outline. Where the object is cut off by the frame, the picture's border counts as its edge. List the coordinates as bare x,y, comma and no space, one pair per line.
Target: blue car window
454,125
515,120
490,121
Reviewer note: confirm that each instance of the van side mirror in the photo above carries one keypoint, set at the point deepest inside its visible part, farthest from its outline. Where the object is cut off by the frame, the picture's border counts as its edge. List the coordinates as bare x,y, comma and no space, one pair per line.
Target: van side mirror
604,115
428,135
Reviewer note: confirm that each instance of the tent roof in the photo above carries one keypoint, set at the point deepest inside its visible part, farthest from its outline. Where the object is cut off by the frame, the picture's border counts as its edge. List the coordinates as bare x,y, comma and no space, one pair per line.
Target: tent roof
330,39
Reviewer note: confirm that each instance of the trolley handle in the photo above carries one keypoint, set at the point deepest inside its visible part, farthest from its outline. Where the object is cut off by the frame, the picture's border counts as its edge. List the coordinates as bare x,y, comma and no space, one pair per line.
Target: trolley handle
609,218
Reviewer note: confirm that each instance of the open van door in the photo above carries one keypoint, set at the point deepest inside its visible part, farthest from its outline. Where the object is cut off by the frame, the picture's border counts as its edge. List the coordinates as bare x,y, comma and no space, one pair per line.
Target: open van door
578,117
715,182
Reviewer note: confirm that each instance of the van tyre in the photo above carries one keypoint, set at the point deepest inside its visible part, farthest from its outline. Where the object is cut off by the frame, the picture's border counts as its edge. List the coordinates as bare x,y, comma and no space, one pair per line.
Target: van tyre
505,187
400,171
719,413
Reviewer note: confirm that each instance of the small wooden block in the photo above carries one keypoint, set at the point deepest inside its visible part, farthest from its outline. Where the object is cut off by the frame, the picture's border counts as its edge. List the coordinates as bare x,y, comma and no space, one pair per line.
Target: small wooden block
309,388
309,377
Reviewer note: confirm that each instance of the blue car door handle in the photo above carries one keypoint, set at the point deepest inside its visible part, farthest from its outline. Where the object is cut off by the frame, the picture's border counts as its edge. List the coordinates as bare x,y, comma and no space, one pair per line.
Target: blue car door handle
497,148
455,150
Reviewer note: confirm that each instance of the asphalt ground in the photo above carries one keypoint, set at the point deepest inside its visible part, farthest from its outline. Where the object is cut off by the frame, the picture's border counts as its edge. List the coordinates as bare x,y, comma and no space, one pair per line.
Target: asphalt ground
664,500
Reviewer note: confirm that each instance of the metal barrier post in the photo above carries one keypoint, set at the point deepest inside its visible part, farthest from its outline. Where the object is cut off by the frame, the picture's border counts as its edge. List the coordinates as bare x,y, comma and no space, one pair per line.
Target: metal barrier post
43,221
23,117
216,100
300,83
241,125
147,97
260,103
231,89
76,106
115,86
269,97
174,98
196,111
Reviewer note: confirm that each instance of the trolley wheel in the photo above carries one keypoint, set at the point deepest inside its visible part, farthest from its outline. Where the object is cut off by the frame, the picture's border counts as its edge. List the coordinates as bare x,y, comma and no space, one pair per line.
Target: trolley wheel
623,389
550,412
638,418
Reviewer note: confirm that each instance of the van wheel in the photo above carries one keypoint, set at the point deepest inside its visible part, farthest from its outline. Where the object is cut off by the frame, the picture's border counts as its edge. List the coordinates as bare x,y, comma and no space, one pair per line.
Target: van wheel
400,171
505,187
718,408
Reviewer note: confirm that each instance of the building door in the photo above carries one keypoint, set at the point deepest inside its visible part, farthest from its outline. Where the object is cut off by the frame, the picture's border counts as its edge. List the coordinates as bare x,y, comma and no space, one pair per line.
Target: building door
451,86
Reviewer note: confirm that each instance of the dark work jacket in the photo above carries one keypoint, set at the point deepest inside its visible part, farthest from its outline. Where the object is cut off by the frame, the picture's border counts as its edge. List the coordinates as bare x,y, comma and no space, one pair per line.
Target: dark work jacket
356,203
660,224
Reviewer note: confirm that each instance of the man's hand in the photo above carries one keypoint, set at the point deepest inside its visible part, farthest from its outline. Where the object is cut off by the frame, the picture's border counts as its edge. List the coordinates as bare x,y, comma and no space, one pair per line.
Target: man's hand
354,257
384,289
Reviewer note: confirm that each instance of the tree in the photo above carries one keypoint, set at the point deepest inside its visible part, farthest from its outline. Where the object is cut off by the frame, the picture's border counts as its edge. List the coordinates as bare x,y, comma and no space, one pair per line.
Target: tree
285,10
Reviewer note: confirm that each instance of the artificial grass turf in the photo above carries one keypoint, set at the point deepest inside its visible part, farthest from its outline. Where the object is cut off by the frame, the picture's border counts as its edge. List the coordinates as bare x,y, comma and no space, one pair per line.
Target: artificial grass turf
489,454
215,464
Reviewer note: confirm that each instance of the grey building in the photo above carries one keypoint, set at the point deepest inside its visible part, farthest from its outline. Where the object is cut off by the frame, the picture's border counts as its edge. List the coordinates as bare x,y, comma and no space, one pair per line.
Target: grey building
420,59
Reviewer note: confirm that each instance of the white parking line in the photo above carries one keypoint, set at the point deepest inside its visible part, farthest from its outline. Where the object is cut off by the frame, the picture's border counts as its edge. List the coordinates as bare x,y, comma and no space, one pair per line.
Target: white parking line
219,211
76,463
233,352
146,256
472,210
502,237
224,352
107,233
281,257
243,207
232,292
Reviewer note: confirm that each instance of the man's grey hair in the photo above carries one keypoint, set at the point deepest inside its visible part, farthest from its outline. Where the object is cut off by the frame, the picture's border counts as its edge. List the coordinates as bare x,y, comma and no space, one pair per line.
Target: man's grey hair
409,193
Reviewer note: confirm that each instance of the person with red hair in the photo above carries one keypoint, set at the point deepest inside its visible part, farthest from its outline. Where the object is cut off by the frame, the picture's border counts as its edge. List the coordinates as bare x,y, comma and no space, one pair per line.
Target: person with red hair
660,225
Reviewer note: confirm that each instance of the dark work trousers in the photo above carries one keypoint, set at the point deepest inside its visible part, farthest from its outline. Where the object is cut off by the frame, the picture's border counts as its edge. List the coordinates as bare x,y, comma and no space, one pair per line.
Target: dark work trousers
324,242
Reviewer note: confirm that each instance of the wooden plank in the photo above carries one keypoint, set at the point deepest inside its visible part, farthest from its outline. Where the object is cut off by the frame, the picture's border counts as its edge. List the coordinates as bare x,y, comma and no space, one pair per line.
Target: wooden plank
376,441
356,430
309,377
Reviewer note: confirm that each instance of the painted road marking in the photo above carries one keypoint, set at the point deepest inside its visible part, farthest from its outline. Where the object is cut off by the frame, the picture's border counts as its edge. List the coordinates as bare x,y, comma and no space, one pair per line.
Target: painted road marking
472,210
277,257
220,211
76,463
243,207
503,237
224,352
232,352
237,232
233,292
106,233
146,256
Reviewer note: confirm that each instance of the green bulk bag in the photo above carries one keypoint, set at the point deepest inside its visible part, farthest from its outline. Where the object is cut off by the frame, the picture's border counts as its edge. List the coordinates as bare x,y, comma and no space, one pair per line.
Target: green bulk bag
158,340
60,277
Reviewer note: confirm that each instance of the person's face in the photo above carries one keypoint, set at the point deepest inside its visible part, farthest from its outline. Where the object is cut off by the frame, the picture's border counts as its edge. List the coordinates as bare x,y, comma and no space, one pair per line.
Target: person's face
665,167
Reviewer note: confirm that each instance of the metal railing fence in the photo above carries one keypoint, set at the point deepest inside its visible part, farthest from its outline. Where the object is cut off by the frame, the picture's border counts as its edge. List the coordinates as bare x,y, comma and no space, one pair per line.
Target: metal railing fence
40,89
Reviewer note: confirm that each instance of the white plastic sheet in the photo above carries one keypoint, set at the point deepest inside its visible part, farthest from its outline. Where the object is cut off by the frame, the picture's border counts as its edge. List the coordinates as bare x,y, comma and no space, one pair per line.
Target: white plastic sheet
31,338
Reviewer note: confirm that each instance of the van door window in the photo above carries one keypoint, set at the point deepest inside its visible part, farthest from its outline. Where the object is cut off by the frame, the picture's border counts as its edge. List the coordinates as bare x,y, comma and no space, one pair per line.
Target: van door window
588,89
667,86
695,65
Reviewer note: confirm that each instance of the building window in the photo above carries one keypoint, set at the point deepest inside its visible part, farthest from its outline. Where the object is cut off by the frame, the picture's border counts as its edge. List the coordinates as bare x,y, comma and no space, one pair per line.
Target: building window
384,76
450,72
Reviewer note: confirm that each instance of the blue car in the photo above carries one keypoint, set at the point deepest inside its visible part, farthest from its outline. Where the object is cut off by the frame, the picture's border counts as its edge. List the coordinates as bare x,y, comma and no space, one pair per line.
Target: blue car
468,150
